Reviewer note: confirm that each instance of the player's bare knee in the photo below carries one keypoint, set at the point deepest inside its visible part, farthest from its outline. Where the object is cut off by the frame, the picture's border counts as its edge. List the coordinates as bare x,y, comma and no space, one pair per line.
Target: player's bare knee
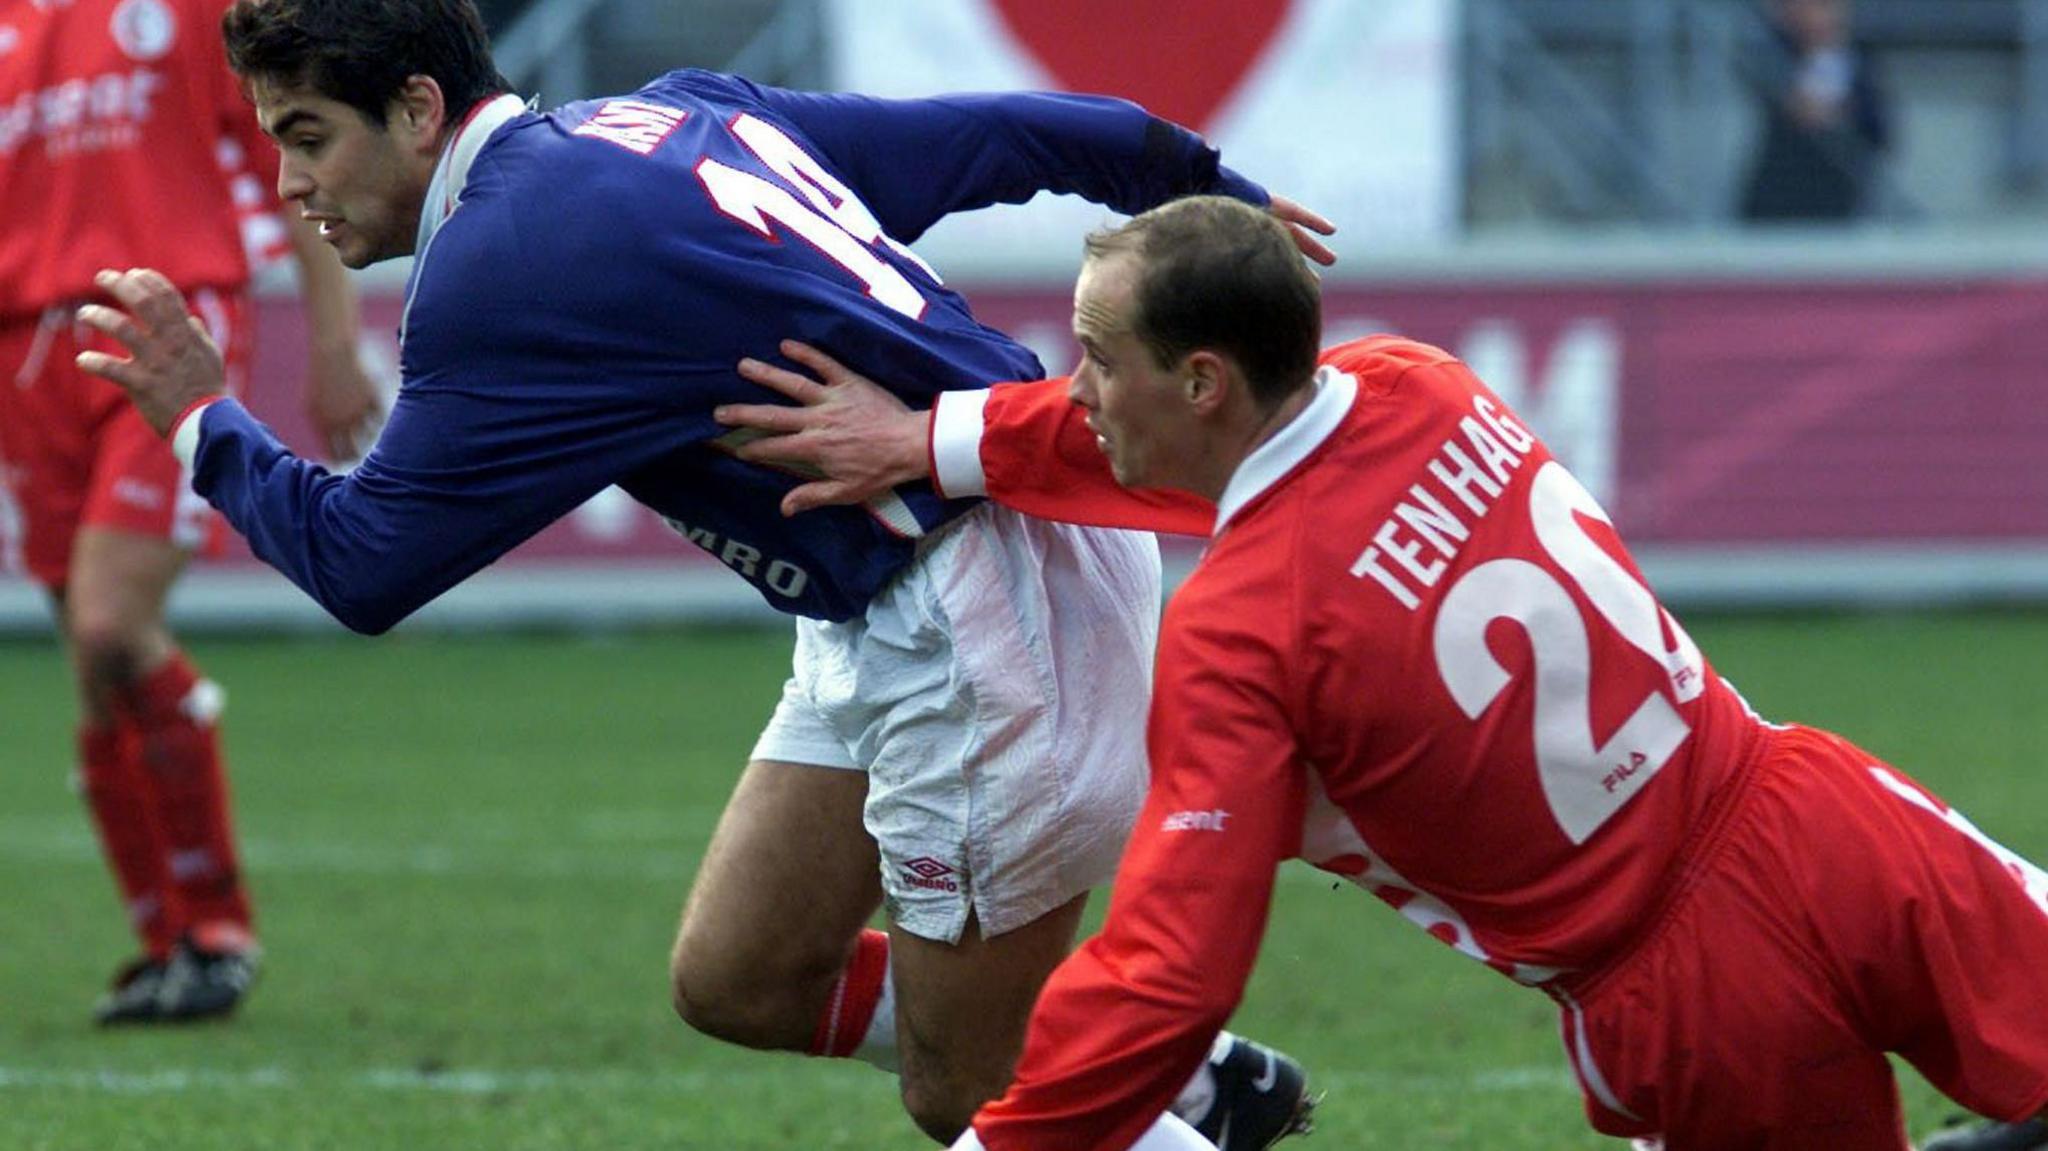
107,652
751,1000
708,999
942,1106
943,1088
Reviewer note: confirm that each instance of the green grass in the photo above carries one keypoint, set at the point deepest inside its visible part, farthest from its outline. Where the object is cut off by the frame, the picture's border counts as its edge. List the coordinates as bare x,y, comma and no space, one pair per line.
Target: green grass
469,853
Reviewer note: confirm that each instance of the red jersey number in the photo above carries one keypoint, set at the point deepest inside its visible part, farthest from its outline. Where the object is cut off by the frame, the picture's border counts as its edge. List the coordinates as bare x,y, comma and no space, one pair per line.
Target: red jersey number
1585,781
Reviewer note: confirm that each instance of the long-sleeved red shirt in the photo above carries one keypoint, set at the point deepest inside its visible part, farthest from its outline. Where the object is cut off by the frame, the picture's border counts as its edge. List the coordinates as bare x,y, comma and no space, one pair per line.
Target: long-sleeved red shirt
1415,654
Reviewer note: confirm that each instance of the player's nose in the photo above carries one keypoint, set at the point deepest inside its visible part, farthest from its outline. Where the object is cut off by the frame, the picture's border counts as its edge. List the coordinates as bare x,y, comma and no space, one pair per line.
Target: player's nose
292,184
1080,389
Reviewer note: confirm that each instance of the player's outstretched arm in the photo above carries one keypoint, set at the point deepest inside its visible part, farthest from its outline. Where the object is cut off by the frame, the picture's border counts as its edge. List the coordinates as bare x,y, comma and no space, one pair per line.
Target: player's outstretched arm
1124,1020
971,150
1023,445
461,475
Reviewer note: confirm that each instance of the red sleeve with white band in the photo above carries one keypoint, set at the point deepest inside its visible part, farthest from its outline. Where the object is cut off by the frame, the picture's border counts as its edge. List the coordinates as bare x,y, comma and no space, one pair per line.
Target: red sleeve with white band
1027,446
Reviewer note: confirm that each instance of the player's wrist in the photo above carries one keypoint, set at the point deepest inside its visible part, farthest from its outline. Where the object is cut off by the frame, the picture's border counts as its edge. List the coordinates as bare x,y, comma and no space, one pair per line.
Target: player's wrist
183,432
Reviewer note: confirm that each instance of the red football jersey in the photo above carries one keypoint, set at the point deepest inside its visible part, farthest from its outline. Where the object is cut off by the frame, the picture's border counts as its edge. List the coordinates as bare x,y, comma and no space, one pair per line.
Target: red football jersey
1415,654
113,117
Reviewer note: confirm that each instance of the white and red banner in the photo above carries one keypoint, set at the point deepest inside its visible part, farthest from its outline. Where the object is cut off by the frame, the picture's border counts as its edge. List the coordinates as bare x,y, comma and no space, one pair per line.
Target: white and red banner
1730,414
1760,442
1347,106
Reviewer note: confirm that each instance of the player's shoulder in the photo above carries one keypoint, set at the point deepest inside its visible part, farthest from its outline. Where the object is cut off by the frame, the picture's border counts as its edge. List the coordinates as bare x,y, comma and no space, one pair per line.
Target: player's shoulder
700,86
1379,361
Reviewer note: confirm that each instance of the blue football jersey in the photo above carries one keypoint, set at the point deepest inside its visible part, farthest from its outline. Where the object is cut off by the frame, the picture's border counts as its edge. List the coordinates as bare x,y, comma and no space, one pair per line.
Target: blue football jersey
576,316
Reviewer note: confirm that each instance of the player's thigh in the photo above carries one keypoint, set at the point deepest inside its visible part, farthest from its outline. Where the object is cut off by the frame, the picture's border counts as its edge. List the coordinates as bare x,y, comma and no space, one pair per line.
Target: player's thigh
1721,1055
120,581
1952,970
786,884
138,485
46,450
1725,1026
962,1008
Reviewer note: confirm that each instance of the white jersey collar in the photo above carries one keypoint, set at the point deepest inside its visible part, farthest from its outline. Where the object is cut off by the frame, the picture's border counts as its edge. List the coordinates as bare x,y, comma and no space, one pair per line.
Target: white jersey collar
444,192
1303,434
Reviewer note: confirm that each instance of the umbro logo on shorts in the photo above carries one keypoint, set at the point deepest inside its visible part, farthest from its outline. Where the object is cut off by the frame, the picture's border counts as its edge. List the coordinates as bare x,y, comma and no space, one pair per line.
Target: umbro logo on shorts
930,874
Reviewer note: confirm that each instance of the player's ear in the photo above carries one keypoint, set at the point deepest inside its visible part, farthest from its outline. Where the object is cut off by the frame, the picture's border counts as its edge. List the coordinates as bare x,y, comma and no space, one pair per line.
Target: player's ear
419,113
1203,378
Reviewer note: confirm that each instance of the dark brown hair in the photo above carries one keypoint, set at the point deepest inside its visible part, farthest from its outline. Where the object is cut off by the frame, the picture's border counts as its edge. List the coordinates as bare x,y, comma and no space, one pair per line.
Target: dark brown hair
361,52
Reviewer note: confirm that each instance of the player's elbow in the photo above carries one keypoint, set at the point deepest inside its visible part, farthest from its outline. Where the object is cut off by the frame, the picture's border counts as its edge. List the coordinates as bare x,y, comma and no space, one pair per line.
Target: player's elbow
1214,1008
371,609
365,623
1206,999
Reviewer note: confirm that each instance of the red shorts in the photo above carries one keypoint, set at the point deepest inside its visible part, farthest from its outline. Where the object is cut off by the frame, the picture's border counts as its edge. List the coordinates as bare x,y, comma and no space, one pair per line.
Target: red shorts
1840,912
74,453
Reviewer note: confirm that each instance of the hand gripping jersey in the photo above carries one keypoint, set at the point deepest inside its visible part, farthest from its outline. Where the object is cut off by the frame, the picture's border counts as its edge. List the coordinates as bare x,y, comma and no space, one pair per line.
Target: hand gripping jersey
1416,655
572,323
115,117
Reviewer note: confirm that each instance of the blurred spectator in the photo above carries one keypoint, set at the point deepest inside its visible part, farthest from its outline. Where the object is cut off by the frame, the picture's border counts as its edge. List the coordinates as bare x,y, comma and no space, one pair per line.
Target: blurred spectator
1826,119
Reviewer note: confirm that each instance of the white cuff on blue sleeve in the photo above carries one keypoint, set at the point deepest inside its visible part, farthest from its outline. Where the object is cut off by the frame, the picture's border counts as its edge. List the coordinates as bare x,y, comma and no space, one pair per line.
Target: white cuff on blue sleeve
185,437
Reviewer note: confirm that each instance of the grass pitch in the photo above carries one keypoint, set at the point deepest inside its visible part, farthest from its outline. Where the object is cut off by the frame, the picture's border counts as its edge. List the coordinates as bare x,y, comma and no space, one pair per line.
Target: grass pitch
468,854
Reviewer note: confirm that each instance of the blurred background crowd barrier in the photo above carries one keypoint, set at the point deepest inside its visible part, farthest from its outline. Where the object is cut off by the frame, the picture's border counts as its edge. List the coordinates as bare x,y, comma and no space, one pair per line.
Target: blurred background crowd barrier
1770,275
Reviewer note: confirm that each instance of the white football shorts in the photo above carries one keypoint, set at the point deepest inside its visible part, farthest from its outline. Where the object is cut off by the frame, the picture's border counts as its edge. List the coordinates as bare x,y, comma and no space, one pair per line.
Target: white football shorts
995,692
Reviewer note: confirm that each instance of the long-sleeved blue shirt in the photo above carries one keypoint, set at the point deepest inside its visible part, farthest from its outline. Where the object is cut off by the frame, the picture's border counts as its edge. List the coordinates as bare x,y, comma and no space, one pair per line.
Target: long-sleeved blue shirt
591,276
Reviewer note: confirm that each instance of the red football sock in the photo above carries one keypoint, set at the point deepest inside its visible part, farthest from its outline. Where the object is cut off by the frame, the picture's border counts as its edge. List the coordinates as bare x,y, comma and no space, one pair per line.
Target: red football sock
850,1009
173,711
117,793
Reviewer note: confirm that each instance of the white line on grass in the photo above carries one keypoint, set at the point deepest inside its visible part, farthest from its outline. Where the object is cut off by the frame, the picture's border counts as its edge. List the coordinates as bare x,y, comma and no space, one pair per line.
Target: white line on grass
480,1081
50,840
40,842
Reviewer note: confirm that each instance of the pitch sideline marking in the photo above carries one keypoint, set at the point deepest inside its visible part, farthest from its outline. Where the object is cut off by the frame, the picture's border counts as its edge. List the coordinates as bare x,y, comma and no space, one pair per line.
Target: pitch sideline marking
171,1081
49,840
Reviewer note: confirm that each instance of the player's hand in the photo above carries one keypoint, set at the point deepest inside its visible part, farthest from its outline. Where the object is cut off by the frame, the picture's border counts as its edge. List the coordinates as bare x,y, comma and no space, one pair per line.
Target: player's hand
847,429
1305,226
173,362
344,403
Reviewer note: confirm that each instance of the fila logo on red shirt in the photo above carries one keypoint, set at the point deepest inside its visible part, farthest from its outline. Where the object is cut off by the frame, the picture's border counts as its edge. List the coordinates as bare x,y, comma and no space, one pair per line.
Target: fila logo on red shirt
634,125
1195,821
